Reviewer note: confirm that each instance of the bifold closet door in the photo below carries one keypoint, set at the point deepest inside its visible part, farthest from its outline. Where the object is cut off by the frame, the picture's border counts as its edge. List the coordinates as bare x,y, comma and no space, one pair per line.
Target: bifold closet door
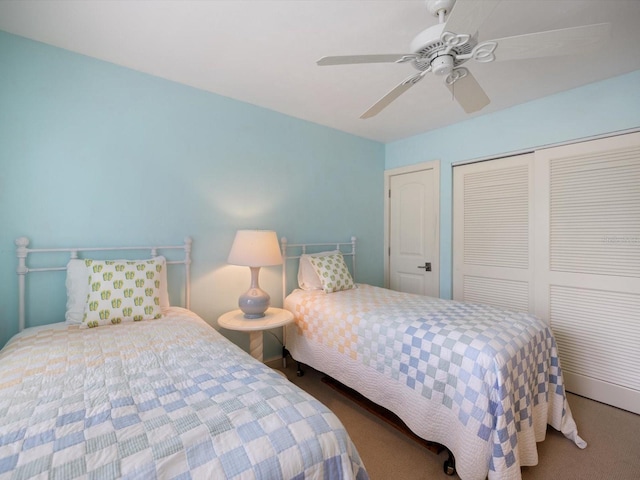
588,264
557,233
492,234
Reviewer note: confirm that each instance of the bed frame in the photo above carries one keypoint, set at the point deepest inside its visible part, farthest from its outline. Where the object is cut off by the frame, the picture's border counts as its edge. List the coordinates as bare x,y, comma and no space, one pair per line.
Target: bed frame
23,251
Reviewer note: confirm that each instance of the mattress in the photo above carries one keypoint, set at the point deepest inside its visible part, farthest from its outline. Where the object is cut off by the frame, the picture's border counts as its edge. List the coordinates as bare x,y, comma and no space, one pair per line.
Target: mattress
166,398
482,381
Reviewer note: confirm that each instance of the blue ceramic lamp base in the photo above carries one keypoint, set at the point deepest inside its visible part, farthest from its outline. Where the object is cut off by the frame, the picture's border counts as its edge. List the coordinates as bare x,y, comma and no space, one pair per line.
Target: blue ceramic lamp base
255,301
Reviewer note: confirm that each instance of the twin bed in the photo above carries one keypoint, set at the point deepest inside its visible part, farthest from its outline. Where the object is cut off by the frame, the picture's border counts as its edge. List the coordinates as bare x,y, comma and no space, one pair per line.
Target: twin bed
482,381
166,396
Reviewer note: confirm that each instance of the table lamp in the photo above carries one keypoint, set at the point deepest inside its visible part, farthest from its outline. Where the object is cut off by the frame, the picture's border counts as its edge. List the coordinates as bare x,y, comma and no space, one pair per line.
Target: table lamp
255,249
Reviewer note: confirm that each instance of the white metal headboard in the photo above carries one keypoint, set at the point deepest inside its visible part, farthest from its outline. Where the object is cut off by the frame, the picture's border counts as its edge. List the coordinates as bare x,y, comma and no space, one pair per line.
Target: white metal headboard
23,251
293,251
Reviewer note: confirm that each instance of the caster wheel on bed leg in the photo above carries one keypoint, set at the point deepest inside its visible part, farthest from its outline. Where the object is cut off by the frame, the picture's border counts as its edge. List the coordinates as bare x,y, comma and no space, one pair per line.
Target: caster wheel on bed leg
299,372
450,465
449,469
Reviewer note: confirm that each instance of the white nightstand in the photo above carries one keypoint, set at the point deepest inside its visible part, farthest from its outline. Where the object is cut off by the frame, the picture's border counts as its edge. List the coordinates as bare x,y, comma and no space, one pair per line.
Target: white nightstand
273,318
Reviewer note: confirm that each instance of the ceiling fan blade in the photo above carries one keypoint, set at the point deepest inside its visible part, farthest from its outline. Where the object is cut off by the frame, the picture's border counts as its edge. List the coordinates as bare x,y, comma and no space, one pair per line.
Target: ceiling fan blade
566,41
468,93
354,59
393,94
467,15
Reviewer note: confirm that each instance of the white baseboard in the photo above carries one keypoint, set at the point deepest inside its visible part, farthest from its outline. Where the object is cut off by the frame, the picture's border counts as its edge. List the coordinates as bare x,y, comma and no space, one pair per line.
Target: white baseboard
614,395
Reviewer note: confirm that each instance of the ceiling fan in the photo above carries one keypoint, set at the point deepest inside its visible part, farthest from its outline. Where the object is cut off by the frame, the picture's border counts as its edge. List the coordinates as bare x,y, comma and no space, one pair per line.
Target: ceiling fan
443,48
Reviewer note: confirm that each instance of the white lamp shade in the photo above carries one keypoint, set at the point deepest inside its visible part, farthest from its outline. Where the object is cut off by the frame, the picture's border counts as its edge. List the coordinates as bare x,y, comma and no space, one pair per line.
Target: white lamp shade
255,248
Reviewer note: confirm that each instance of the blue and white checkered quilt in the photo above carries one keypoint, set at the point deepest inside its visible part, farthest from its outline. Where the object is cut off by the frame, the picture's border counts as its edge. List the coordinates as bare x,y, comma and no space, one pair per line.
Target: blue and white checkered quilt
481,380
165,399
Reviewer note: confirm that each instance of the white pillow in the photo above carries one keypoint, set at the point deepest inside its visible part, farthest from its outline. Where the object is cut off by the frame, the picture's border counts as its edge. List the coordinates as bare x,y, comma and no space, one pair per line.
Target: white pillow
122,291
78,288
307,277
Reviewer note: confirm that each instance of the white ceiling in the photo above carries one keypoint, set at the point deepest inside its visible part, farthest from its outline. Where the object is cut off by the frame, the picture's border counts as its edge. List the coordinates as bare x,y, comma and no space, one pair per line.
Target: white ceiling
264,52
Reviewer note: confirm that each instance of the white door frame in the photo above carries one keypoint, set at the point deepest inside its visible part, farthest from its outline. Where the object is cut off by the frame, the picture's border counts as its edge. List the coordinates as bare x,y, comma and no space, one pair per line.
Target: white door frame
430,165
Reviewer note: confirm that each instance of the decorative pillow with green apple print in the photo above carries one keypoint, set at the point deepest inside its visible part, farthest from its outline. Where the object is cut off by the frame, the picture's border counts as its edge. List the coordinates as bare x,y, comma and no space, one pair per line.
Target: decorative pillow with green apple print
333,273
122,291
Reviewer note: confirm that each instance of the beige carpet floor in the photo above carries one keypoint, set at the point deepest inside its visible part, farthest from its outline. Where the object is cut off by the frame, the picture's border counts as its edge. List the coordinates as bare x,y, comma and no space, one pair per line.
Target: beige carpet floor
613,437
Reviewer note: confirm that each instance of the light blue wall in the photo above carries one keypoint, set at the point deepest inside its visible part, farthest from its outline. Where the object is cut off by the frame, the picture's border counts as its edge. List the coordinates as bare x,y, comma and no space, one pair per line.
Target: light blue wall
94,154
608,106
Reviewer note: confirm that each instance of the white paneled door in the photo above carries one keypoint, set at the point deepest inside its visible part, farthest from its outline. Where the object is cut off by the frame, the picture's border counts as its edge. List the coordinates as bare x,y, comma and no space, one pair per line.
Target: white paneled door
557,233
413,202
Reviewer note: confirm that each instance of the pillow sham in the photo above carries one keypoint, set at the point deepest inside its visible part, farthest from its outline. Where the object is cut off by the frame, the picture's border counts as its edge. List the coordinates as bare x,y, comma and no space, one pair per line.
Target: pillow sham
122,291
307,277
78,287
333,273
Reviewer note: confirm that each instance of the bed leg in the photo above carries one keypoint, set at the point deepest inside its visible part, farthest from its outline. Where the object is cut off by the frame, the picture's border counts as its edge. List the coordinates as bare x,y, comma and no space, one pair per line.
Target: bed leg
299,372
450,464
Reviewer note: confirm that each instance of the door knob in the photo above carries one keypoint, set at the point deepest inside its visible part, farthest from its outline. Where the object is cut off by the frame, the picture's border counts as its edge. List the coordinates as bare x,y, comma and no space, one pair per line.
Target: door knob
426,266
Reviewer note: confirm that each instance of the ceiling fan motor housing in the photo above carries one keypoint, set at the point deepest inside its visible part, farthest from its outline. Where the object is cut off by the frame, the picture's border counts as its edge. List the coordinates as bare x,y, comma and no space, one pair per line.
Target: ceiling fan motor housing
428,45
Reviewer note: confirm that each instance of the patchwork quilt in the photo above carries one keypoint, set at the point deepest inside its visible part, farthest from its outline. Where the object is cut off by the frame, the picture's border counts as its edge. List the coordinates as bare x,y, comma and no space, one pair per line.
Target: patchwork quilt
481,380
168,399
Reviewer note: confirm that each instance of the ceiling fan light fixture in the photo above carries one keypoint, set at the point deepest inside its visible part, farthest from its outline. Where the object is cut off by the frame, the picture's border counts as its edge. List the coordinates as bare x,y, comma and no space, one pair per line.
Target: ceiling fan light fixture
442,65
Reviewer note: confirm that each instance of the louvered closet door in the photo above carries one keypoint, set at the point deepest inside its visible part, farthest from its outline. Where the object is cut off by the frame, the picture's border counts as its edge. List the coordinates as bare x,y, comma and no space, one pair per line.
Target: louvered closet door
588,260
492,234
